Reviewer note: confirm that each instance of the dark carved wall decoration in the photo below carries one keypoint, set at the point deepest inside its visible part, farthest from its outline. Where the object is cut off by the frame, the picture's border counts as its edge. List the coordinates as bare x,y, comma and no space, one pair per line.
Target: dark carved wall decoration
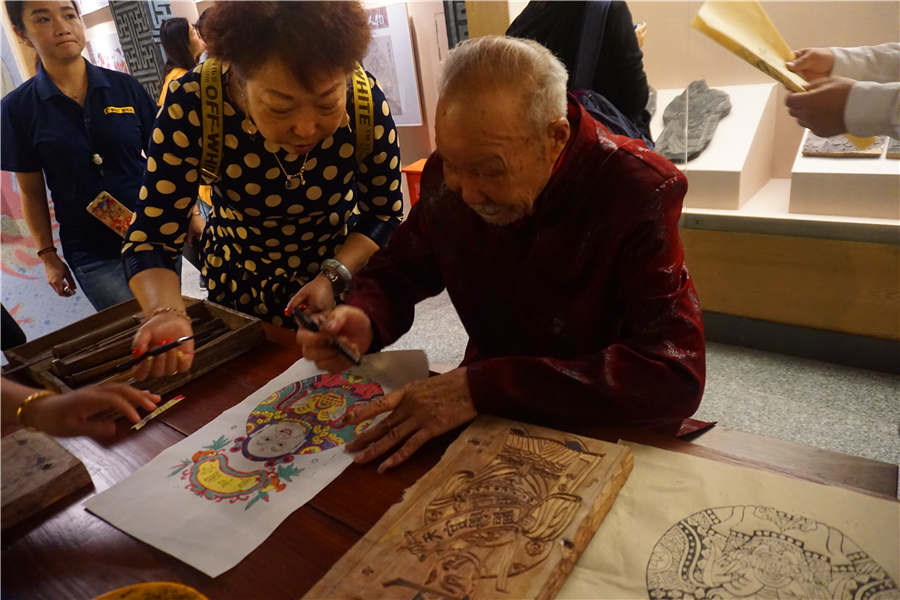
456,21
137,23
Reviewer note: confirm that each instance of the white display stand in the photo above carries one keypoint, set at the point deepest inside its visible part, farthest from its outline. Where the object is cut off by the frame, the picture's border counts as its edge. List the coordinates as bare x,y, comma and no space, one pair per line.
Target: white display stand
850,187
738,160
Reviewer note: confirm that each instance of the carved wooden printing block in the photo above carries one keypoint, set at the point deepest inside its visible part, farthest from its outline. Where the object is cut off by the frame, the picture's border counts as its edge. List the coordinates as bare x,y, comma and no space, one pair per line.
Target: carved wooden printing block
505,514
37,472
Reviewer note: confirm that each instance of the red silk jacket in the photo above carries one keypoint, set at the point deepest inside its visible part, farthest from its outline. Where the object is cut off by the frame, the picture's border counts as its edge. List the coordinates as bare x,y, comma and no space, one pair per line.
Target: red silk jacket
582,314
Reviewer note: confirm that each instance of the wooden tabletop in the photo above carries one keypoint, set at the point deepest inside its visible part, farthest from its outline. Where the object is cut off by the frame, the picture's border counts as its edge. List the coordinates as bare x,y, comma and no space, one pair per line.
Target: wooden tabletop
65,552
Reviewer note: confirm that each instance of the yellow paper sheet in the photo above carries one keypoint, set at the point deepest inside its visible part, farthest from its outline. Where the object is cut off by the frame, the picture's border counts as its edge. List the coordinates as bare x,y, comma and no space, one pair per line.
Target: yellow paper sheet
715,530
745,29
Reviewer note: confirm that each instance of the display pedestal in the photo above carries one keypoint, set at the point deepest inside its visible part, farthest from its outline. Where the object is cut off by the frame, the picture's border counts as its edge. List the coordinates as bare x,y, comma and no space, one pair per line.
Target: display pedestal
738,160
849,187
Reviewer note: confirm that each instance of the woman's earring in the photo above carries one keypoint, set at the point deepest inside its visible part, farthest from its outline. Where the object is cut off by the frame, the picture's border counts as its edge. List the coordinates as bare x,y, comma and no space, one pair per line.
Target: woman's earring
345,122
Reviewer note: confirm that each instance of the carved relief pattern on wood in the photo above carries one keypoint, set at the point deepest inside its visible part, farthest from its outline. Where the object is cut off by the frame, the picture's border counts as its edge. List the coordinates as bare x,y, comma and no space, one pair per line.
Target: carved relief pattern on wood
500,521
732,552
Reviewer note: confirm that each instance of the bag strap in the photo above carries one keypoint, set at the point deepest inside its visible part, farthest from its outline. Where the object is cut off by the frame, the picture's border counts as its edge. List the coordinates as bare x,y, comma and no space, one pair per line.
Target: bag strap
364,113
211,109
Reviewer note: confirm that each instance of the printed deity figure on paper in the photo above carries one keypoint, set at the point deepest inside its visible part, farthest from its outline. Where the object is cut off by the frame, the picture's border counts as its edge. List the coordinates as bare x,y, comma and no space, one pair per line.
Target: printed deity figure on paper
735,552
301,418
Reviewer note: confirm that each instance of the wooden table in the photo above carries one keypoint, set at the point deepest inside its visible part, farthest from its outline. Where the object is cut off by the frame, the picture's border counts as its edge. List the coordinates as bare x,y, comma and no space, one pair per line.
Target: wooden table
65,552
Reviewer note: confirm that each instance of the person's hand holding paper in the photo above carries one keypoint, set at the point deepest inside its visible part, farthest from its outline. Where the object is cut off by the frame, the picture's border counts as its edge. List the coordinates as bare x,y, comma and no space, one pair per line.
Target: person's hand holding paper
821,109
812,63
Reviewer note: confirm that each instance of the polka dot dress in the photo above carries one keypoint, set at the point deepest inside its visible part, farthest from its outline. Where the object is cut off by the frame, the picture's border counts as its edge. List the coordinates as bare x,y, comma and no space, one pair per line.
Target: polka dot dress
267,235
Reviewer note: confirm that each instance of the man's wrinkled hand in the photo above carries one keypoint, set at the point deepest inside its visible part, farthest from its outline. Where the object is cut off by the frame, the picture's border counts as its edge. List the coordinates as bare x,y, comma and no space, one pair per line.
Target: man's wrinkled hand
349,325
821,108
421,410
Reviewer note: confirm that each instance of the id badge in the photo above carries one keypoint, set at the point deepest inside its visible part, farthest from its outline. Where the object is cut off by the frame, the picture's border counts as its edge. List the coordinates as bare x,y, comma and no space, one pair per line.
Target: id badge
111,212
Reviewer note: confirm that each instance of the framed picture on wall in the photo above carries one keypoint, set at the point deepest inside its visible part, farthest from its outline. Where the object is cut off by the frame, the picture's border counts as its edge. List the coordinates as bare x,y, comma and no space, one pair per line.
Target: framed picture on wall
108,53
390,60
89,6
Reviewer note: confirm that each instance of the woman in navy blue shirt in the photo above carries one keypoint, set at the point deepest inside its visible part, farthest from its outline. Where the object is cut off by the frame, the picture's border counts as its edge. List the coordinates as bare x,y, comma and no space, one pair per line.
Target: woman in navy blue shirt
82,130
292,196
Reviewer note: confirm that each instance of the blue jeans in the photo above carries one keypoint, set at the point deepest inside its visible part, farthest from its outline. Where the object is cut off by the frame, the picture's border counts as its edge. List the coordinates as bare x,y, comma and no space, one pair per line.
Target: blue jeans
101,279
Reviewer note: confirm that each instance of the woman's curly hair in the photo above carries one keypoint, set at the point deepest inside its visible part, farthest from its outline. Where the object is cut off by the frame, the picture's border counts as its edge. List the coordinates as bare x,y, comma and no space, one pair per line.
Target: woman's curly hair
311,38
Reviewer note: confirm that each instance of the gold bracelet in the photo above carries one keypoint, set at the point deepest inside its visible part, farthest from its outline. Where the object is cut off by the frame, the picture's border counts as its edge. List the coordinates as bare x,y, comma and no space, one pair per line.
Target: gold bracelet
164,309
31,398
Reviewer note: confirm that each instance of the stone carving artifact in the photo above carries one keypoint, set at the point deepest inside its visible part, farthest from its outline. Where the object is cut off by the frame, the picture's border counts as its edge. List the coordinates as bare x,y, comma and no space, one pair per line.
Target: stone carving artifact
690,120
839,146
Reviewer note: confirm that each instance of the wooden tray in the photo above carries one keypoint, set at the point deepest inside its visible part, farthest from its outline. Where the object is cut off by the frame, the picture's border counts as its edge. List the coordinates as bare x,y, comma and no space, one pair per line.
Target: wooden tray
505,514
244,332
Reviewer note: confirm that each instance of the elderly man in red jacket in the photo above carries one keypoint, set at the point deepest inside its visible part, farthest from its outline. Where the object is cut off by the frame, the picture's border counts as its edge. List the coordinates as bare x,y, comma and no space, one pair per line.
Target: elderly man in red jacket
558,244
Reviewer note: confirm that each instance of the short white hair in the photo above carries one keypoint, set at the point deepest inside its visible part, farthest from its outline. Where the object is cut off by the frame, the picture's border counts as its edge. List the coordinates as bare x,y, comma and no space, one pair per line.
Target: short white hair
511,62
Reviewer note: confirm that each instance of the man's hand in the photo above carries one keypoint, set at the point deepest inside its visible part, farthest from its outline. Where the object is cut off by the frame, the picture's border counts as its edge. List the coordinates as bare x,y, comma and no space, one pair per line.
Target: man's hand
58,275
347,323
421,410
86,411
821,108
812,63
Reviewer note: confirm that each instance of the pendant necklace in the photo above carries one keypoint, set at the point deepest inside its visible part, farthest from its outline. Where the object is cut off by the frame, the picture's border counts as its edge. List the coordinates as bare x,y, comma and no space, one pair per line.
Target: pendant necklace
292,179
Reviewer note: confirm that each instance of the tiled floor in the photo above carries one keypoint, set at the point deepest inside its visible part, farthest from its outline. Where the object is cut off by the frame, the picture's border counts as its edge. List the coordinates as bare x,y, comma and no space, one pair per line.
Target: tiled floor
820,404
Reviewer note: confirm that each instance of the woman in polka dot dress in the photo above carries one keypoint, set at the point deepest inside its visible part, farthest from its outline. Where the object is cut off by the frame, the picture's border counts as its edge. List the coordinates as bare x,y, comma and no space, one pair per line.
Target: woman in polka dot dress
291,192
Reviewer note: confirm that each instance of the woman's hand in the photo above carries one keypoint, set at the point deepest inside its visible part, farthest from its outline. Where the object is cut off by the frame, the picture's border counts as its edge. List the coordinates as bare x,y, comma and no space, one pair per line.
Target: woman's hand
158,330
317,295
348,324
195,229
58,275
640,32
87,411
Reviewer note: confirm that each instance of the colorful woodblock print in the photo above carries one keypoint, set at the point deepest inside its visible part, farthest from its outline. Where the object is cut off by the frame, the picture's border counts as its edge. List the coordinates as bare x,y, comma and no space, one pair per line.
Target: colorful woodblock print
302,418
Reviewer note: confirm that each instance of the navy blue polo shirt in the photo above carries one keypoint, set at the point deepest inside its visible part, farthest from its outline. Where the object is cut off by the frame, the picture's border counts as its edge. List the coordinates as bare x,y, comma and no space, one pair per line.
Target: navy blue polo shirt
45,130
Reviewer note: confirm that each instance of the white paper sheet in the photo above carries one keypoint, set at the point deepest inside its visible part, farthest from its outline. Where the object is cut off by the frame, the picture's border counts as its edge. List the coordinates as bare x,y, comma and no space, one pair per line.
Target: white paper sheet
241,475
687,527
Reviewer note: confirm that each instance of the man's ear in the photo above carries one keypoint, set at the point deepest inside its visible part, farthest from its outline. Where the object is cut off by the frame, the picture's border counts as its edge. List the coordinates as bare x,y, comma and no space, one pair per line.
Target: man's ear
558,132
